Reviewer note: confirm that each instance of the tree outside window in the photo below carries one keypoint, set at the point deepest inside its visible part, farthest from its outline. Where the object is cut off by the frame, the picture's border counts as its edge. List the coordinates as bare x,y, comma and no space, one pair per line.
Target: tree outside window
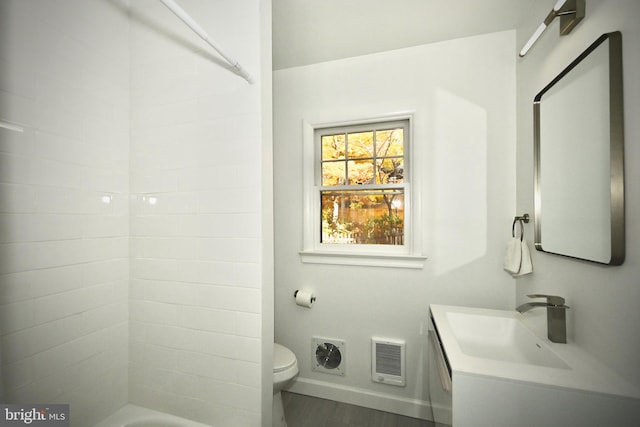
362,187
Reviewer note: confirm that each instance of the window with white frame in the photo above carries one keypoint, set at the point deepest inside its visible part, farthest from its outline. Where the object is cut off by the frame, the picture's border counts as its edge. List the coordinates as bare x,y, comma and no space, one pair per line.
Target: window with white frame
359,191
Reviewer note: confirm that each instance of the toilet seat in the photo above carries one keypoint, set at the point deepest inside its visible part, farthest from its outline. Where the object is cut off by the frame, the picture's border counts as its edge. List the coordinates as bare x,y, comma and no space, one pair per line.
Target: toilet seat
285,369
283,358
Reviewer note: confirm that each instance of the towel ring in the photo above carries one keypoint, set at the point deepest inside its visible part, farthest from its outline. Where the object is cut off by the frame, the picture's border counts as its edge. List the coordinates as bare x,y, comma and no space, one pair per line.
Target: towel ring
513,228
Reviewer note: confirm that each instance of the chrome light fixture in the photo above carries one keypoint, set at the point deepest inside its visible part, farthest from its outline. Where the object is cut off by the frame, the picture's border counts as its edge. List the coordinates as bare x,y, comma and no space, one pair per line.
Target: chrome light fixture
570,12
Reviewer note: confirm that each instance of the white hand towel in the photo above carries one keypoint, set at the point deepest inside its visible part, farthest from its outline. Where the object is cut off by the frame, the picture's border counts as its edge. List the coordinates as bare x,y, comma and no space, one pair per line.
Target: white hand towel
526,266
513,256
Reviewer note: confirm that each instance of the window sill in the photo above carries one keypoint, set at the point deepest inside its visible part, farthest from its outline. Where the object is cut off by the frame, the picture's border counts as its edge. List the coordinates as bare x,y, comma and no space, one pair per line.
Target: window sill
365,260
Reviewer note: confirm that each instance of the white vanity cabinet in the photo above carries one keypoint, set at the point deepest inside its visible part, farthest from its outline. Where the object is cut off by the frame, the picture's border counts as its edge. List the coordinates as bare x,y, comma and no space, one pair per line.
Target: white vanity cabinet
488,368
439,380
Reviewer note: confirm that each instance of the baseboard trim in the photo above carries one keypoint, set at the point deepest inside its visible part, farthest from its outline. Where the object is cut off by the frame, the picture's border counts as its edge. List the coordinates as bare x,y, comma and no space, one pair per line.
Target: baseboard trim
415,408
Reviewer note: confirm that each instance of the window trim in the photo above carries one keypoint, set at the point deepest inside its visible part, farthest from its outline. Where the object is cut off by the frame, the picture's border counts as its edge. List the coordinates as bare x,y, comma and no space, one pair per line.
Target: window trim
407,255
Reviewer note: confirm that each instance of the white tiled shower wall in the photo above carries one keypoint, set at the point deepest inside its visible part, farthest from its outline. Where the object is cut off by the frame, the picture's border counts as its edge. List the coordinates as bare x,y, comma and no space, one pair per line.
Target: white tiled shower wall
130,209
195,185
64,216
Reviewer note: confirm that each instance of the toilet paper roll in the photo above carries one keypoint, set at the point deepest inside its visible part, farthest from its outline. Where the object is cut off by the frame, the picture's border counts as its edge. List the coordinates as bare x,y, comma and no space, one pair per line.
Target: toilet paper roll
305,298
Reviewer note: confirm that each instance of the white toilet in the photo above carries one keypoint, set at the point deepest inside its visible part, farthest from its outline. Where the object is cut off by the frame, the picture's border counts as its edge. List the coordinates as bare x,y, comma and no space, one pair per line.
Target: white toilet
285,368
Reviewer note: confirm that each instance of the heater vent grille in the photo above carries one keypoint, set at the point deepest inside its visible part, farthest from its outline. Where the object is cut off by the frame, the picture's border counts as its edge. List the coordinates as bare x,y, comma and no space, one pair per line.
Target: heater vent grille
388,361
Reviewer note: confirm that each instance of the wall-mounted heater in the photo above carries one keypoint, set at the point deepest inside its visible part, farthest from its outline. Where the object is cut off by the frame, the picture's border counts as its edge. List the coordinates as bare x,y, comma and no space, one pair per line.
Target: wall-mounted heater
387,361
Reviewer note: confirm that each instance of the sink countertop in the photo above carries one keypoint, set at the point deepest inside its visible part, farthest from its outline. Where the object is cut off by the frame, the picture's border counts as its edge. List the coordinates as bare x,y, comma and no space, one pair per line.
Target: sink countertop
583,372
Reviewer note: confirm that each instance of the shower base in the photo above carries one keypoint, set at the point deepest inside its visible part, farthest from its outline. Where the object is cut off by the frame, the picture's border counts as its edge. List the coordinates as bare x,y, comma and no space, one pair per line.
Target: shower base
137,416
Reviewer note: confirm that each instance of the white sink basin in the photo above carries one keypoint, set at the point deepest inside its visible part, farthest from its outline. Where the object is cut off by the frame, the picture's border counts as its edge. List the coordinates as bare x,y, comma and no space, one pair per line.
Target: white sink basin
500,338
498,368
512,346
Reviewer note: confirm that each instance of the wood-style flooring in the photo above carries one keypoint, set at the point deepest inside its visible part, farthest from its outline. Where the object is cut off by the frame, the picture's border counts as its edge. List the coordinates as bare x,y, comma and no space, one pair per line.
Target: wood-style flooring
307,411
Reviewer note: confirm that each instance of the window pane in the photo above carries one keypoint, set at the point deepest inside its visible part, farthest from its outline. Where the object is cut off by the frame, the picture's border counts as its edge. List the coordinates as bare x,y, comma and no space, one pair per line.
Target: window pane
363,217
390,170
390,142
333,173
361,172
360,145
333,147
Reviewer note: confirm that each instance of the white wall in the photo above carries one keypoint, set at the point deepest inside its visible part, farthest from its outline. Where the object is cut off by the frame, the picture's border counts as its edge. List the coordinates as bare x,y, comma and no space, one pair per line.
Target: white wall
462,93
63,205
604,300
196,203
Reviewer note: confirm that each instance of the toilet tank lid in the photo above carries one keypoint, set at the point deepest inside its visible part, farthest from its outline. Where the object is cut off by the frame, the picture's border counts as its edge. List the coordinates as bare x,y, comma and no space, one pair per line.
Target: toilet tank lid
283,358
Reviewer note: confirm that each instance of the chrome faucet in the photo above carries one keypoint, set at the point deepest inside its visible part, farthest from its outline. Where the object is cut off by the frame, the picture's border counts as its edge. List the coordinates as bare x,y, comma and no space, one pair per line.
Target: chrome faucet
556,315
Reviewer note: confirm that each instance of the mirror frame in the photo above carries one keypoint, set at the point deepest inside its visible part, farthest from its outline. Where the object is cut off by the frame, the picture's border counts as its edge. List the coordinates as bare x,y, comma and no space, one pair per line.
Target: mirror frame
616,148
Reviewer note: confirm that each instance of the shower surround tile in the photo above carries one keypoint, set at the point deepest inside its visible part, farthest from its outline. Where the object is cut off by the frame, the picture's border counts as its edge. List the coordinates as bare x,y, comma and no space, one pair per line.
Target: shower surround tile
130,210
195,224
63,203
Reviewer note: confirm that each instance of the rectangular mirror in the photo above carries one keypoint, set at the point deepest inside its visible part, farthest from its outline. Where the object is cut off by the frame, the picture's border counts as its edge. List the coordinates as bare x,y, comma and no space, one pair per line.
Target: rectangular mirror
579,157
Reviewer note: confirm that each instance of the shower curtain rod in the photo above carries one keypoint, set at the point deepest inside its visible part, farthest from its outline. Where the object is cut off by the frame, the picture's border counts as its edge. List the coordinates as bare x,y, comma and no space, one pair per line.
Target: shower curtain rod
184,16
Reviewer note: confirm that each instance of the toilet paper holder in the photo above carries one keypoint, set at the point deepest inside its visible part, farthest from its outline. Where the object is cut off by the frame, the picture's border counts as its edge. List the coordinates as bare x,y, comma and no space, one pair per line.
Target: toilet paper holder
295,294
